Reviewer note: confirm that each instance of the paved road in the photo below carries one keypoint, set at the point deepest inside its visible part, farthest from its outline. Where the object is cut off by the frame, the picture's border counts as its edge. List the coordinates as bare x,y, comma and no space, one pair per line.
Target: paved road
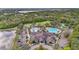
64,41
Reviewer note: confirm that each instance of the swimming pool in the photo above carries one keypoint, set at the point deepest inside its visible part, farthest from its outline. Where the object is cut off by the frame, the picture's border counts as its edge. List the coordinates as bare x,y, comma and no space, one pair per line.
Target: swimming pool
53,30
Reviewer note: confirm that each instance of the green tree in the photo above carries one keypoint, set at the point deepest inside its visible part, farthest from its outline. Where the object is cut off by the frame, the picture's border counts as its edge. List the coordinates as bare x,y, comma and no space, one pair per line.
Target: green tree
75,43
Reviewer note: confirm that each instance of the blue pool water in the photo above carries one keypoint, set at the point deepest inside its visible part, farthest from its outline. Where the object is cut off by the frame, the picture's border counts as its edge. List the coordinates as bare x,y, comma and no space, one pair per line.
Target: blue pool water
53,30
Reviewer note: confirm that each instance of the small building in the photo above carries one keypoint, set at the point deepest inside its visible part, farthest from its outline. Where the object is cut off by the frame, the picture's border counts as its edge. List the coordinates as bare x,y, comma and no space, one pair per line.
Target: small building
35,29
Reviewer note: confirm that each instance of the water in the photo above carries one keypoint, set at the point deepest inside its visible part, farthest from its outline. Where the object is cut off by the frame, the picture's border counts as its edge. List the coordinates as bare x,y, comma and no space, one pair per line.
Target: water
53,30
